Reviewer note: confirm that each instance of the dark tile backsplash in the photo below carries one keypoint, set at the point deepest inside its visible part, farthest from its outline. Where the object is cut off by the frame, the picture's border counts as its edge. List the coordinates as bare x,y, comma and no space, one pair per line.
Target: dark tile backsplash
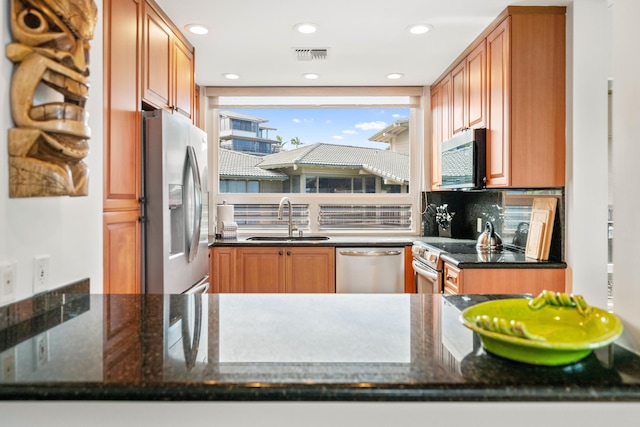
494,206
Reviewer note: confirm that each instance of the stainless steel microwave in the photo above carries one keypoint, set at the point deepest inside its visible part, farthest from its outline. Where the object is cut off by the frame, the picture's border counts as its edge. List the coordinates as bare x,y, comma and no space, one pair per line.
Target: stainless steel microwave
463,162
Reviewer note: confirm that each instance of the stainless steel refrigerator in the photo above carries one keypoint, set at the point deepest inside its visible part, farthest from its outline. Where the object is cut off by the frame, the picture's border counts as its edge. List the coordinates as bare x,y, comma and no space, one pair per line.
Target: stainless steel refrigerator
175,200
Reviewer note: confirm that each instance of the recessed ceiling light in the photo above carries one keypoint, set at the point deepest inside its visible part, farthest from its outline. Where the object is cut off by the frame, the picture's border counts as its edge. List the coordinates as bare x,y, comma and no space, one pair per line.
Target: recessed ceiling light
311,76
306,28
395,76
231,76
420,29
197,29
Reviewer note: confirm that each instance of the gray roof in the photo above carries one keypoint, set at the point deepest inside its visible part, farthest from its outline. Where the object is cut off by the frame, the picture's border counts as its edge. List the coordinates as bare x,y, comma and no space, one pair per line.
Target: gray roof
233,164
383,163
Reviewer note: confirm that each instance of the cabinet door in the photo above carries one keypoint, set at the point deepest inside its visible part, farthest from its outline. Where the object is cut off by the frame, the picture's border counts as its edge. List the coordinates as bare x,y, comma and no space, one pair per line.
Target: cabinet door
122,249
458,98
436,136
310,270
157,48
184,87
498,115
122,158
222,269
476,87
445,85
452,279
260,269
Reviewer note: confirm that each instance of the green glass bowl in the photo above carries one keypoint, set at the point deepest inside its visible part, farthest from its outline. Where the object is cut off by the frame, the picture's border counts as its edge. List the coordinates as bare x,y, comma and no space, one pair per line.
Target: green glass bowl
554,335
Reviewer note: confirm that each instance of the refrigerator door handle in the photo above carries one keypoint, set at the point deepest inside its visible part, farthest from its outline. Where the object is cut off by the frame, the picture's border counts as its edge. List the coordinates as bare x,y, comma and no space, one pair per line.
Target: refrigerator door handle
193,169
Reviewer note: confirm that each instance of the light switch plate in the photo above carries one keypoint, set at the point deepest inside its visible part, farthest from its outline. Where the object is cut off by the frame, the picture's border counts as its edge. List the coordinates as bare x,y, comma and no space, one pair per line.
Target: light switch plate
8,277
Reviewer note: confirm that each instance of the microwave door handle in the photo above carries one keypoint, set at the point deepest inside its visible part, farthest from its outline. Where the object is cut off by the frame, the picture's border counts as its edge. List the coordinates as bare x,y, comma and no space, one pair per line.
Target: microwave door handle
192,165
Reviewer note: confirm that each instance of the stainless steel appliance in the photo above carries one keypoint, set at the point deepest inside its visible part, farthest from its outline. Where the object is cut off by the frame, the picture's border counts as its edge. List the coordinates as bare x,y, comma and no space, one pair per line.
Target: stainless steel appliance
427,268
463,160
370,270
175,232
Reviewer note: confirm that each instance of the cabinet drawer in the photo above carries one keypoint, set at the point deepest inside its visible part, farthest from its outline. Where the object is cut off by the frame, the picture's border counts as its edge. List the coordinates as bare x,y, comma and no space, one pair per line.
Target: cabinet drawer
452,279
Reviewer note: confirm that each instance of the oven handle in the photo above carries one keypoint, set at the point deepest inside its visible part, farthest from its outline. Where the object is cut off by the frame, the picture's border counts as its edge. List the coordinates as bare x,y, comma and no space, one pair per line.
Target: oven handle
425,272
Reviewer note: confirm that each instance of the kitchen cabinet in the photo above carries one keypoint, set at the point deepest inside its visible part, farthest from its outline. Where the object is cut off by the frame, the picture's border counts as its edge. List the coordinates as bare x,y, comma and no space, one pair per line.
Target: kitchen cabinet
125,26
441,126
502,280
511,80
121,252
122,151
268,269
526,99
168,66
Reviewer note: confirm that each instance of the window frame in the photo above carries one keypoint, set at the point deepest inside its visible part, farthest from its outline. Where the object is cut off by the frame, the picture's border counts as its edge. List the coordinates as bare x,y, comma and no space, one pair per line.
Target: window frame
417,98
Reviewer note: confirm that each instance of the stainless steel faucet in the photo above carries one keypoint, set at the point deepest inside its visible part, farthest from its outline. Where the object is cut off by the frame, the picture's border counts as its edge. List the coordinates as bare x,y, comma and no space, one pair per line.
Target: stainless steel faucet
280,208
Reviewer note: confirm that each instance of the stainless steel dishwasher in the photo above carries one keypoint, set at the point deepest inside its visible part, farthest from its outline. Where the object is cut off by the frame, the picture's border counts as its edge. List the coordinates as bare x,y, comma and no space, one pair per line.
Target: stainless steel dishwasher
370,270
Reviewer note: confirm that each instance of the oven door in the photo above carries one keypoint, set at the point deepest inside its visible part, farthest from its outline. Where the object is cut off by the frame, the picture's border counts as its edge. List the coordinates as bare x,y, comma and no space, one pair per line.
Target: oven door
427,279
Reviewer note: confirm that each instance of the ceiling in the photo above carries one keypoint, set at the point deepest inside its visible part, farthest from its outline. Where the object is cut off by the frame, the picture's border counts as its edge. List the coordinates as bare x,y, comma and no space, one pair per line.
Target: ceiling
366,39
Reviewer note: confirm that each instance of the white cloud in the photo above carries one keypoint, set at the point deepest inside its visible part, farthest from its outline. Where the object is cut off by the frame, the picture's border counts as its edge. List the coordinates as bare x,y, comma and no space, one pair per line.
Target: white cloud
378,125
296,120
350,132
396,116
336,137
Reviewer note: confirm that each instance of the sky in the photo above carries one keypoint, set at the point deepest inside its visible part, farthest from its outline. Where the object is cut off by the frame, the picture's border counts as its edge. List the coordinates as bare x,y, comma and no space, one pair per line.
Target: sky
345,126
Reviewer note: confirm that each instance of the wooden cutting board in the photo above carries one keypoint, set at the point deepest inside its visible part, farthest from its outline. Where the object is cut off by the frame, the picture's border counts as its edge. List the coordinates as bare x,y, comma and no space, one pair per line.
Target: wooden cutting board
535,239
544,210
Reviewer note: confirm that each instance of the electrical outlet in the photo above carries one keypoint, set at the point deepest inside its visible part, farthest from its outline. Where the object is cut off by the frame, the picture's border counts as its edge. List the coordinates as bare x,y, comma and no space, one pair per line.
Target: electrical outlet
479,225
41,350
8,273
40,273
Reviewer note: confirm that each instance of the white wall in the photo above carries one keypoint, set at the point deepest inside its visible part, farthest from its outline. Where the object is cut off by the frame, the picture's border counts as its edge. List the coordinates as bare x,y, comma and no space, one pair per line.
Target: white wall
587,167
626,170
67,229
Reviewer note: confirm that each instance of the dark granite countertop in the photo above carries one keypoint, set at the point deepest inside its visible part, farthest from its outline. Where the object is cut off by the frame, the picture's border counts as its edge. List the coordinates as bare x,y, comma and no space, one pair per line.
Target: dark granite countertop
284,347
336,241
462,254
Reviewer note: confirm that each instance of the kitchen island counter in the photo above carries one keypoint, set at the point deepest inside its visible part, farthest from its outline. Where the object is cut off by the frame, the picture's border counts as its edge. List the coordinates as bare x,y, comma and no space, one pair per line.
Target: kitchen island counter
284,347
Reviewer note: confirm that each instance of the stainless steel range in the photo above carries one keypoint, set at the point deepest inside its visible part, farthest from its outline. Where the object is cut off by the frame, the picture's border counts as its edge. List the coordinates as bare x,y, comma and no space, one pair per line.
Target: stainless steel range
427,267
427,262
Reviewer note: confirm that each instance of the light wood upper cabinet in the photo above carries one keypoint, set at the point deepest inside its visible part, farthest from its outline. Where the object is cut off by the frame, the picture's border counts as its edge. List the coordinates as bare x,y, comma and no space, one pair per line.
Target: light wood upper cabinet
168,66
476,87
266,269
122,121
499,77
459,119
441,95
436,137
513,83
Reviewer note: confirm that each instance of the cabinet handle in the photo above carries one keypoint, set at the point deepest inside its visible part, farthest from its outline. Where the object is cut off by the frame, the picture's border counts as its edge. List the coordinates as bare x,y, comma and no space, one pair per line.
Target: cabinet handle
280,253
452,278
288,253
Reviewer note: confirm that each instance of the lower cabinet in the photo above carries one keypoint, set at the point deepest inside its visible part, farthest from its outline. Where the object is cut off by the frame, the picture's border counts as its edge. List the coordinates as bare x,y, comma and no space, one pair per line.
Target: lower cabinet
260,269
502,280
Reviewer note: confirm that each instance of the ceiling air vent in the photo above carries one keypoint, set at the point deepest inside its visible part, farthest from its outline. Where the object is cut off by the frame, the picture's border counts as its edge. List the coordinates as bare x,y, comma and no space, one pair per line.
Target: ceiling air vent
308,54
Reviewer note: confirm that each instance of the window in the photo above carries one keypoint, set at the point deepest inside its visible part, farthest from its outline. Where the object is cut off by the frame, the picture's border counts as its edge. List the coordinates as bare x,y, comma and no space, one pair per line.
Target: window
329,152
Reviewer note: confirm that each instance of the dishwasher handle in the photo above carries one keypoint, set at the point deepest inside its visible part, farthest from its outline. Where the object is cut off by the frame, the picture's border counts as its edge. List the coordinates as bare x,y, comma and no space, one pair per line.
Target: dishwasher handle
370,253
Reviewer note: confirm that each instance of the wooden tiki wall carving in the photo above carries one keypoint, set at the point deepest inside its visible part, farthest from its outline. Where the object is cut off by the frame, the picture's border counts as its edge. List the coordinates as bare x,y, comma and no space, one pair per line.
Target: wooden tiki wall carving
49,89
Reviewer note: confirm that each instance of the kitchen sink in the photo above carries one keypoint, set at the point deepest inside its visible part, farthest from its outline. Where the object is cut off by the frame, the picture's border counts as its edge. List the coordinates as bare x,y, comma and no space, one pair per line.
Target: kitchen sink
287,238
